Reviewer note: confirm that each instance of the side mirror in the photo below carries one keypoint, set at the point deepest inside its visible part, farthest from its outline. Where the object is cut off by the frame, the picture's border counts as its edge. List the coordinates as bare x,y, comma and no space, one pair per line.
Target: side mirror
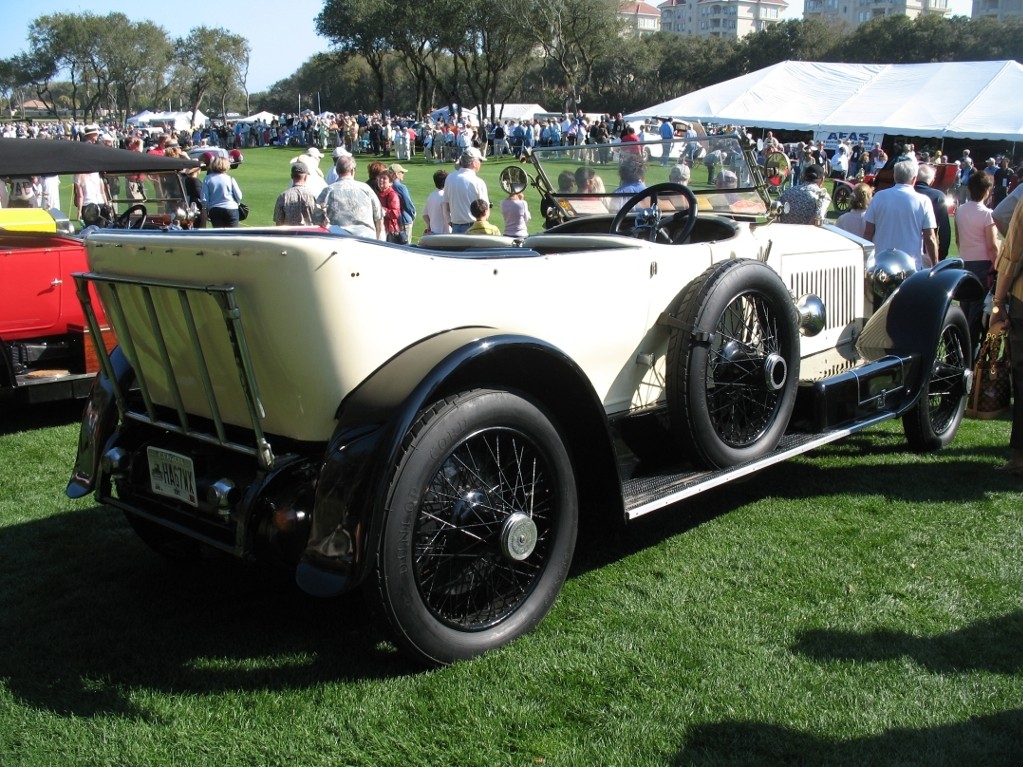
513,180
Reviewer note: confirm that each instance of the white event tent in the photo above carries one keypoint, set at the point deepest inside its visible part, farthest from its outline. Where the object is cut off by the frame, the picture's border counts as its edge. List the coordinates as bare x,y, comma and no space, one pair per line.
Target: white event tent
267,117
977,100
179,120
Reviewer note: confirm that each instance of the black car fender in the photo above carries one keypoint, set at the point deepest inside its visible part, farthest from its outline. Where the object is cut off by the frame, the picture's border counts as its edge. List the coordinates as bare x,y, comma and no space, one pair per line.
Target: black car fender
99,420
911,320
374,418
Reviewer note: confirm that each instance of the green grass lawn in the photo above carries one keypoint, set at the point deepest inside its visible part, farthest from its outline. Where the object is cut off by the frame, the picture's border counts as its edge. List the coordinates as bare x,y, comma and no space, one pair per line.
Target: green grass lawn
860,605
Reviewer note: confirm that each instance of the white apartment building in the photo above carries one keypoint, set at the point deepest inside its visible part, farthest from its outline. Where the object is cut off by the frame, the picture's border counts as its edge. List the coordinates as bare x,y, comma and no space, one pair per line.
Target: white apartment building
640,18
998,9
855,12
720,18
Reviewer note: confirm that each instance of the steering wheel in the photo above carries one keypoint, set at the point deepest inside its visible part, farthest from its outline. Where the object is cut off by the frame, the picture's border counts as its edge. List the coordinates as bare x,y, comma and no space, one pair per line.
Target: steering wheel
648,223
124,220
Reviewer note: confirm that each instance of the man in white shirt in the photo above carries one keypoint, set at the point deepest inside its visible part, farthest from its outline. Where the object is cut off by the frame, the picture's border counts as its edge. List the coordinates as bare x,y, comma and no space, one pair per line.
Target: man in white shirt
902,218
462,188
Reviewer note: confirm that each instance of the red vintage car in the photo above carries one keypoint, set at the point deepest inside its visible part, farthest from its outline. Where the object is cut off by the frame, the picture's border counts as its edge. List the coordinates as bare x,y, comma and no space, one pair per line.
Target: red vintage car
43,346
945,177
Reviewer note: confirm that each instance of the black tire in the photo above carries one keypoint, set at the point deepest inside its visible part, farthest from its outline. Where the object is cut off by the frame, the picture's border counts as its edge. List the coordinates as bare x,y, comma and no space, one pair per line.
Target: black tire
933,421
843,196
479,527
732,364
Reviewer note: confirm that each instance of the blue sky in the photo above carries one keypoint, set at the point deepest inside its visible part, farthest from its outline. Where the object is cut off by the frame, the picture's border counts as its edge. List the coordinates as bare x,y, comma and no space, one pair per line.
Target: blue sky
281,35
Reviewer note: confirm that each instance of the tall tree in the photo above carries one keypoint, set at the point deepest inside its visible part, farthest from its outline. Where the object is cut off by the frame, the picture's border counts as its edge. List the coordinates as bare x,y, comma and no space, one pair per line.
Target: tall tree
61,43
356,27
573,36
211,62
488,47
134,56
793,40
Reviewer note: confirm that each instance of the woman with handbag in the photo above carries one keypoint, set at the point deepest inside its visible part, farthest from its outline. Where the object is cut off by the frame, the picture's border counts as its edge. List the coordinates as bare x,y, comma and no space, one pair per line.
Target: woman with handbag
1007,316
221,195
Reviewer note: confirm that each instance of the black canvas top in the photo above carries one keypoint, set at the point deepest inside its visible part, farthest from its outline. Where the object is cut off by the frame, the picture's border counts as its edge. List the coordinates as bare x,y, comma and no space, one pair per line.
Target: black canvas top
43,157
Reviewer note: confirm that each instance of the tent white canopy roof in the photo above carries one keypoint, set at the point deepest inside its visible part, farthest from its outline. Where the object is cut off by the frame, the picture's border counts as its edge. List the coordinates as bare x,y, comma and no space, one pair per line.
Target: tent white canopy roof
976,100
514,111
266,117
180,120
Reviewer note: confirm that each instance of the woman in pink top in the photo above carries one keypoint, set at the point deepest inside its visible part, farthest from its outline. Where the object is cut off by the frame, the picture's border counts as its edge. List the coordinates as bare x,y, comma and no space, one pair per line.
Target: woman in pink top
977,241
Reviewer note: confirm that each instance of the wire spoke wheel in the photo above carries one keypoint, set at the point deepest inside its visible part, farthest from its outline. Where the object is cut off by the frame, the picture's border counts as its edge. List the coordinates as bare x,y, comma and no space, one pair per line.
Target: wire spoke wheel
934,420
743,389
479,528
466,573
733,363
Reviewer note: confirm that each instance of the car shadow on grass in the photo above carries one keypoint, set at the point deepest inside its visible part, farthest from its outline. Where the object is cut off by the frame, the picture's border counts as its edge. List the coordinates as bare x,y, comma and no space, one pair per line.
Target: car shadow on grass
862,464
995,739
990,645
17,417
89,616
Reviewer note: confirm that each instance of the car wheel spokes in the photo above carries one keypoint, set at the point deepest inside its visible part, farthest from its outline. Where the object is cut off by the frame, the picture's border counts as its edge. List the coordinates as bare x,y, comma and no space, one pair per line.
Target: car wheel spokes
946,386
464,571
742,404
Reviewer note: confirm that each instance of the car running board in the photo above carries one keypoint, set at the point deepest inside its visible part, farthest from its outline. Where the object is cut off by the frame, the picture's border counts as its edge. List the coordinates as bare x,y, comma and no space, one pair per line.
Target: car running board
652,492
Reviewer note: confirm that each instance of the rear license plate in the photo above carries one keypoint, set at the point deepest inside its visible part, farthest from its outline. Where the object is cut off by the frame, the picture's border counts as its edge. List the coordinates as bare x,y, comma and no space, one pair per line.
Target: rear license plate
172,475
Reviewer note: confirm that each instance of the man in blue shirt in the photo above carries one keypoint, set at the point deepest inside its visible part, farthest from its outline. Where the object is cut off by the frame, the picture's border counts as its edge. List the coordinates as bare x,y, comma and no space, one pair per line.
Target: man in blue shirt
631,171
667,134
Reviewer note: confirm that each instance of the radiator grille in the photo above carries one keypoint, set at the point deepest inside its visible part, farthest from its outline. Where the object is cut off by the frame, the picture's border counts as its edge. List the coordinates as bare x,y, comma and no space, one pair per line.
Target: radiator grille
838,287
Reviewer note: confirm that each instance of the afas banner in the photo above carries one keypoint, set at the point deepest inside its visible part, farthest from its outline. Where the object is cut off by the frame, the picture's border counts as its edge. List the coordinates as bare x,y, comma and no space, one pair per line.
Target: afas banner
831,138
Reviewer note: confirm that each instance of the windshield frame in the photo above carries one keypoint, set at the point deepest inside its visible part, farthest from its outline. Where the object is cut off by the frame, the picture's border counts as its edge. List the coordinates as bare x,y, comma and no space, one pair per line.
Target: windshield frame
747,199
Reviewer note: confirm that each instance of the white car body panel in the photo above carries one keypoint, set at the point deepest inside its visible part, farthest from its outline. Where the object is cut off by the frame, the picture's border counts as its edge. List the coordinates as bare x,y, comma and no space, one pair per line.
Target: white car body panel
592,304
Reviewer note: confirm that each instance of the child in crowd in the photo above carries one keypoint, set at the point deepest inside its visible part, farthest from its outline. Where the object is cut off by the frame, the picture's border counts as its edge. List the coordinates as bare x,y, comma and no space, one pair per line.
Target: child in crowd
480,210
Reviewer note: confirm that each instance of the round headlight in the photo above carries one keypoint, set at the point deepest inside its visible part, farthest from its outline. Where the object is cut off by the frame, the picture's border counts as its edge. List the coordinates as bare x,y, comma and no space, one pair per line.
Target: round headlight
889,269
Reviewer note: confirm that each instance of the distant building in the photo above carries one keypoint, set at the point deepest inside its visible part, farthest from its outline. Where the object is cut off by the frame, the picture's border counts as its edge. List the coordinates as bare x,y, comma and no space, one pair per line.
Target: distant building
720,18
1001,10
640,18
856,12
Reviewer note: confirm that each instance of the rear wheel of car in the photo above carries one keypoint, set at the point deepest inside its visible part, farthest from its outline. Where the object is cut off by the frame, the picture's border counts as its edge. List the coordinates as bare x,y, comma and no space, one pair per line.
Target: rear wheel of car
479,528
732,363
933,421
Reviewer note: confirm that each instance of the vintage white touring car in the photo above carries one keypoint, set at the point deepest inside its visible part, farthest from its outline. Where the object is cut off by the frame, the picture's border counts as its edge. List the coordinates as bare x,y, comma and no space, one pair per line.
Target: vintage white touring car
430,423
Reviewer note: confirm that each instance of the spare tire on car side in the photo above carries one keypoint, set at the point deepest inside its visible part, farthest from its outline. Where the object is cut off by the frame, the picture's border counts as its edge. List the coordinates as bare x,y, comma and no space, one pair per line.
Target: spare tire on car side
732,363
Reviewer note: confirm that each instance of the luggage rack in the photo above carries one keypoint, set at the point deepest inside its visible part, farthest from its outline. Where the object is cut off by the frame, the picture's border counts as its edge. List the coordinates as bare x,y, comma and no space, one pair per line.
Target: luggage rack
116,290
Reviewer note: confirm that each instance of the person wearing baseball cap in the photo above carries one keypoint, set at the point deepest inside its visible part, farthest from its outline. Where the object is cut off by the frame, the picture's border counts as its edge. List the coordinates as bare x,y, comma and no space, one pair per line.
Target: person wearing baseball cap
807,203
408,208
337,154
296,205
311,158
462,188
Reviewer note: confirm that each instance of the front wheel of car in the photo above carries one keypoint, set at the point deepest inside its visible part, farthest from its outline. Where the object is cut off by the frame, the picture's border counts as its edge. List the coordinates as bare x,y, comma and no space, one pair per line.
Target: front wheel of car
933,421
732,363
479,527
843,198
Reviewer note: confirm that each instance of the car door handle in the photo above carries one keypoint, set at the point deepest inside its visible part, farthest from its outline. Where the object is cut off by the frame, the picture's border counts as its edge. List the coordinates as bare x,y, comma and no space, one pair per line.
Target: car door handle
57,282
